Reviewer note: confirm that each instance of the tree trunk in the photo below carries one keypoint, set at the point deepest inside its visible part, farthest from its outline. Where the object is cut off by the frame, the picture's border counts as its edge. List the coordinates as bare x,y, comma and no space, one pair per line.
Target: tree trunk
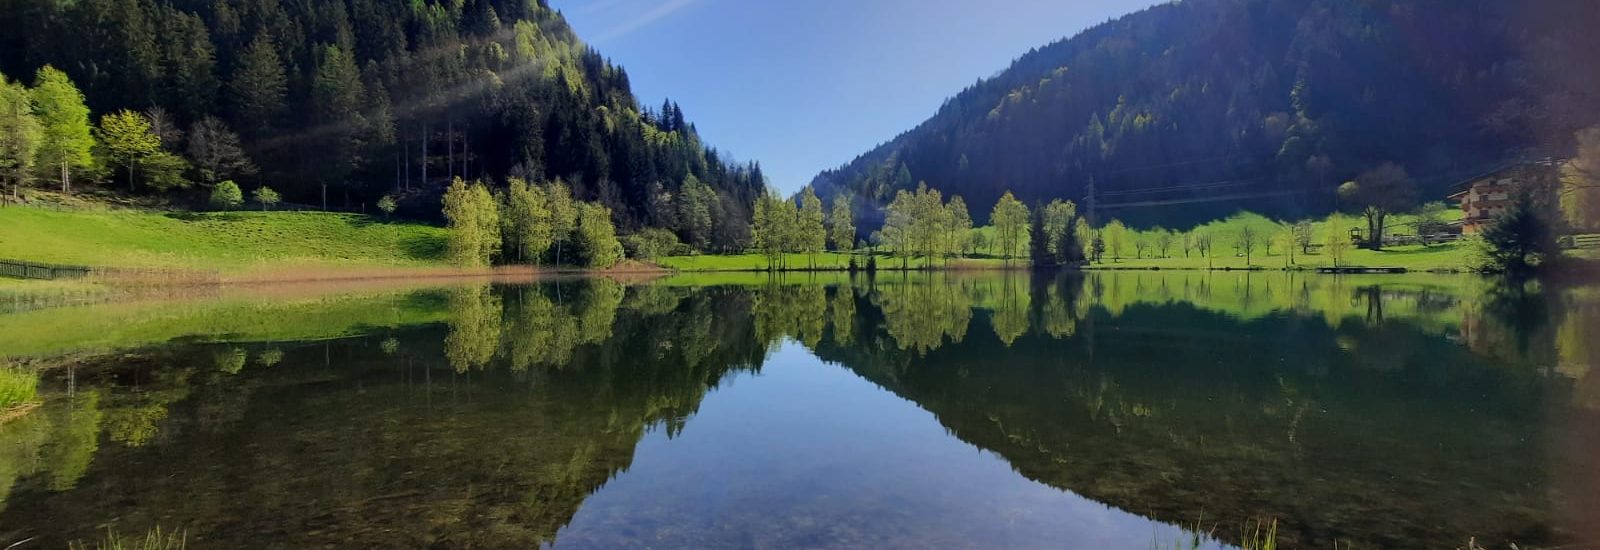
66,178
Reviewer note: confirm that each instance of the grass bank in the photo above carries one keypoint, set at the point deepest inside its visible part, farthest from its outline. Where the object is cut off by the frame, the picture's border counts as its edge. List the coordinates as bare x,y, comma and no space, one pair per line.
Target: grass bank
227,242
1456,256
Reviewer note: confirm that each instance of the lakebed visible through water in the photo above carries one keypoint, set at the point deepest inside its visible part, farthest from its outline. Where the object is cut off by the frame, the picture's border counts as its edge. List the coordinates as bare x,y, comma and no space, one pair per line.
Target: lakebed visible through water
981,410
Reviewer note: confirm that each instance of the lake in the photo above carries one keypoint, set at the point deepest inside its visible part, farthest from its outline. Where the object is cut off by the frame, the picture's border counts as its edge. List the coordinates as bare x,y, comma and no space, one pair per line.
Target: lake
949,410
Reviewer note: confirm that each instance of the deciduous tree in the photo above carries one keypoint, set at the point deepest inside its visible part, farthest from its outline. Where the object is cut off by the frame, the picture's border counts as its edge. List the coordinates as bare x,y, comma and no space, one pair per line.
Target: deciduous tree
1010,220
66,138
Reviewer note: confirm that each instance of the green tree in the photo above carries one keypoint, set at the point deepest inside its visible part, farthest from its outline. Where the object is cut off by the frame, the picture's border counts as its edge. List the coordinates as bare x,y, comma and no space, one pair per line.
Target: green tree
474,224
772,227
1010,221
813,232
842,225
1164,240
1116,238
1337,244
226,196
20,134
958,227
528,231
1522,238
165,171
563,214
1378,193
696,202
266,197
125,135
597,237
1058,228
259,86
66,137
336,95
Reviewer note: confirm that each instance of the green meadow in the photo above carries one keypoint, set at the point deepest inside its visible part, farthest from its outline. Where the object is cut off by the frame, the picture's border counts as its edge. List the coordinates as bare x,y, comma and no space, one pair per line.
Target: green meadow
223,241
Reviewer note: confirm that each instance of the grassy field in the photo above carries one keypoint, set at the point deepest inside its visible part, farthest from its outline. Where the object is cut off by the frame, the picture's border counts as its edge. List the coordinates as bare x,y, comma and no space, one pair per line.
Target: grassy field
1458,256
224,241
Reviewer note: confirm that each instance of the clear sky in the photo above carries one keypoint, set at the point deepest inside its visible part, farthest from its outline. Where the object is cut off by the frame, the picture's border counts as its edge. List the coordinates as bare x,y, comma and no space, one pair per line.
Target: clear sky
806,86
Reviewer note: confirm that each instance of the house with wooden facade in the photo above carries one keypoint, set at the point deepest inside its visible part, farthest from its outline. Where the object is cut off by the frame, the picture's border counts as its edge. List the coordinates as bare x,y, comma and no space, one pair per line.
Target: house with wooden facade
1483,198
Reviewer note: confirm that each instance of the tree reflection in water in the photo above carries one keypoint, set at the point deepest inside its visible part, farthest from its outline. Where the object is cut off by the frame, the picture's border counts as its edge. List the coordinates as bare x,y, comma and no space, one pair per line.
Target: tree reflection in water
1371,411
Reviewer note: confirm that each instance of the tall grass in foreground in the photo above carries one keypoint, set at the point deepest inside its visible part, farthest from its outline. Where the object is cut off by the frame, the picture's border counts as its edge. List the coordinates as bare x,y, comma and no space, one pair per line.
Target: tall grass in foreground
1253,535
155,539
17,386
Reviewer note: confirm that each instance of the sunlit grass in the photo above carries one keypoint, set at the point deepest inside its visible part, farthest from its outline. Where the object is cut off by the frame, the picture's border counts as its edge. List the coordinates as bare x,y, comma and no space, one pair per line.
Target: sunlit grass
227,241
154,539
18,386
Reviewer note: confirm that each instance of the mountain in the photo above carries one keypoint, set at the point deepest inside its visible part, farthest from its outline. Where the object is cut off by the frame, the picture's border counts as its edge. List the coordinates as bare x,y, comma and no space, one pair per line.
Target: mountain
1191,110
354,99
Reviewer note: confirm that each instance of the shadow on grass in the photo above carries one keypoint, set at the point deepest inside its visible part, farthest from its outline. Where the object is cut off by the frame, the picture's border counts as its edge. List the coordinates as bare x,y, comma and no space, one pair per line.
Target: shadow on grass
426,247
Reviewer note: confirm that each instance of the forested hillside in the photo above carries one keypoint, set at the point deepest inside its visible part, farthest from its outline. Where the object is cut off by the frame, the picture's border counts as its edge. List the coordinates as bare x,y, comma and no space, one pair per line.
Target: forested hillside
356,99
1191,110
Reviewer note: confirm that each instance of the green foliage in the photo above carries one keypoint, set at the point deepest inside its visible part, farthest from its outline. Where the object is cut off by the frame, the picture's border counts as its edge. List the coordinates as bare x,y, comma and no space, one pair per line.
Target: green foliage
528,229
652,243
774,229
812,234
349,101
387,205
698,208
1010,219
563,214
66,139
20,134
266,197
1520,239
474,224
842,225
597,237
127,140
17,386
226,196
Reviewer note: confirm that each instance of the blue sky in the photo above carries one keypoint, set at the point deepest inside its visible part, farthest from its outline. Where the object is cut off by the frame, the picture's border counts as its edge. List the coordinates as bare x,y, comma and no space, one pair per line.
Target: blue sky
806,86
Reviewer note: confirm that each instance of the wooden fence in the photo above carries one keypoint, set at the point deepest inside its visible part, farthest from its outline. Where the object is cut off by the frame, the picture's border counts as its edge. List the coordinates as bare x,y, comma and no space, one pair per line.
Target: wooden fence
122,276
31,270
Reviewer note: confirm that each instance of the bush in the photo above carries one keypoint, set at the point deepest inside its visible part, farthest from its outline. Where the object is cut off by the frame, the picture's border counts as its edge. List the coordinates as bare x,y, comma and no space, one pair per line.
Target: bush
652,243
226,196
387,205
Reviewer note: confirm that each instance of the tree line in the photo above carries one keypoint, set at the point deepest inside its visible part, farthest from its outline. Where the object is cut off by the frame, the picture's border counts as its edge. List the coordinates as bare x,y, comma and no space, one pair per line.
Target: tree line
1144,109
354,103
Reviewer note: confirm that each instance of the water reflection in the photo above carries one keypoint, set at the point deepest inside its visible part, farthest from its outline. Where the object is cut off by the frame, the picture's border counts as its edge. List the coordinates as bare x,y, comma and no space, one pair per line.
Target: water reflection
1393,412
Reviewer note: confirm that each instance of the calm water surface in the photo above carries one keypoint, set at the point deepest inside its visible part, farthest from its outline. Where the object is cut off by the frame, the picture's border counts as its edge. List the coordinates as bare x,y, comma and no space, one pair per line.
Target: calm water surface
1115,410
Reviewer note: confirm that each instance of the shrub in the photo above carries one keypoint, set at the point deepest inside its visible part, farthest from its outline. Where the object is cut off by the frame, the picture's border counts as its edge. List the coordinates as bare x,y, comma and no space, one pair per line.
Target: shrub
226,196
652,243
387,205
